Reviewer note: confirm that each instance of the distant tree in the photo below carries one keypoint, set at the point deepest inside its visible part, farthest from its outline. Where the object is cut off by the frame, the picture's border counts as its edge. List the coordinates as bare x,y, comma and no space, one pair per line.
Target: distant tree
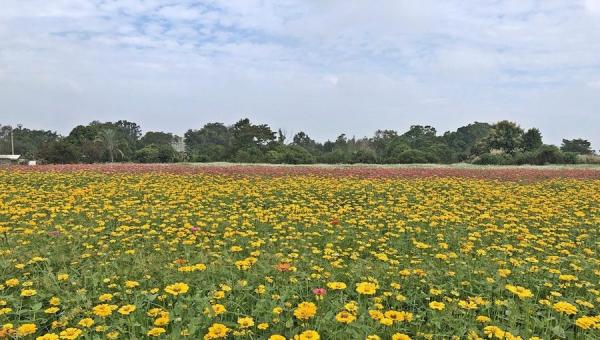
130,131
341,143
382,142
60,151
466,141
532,139
155,153
303,140
579,146
209,144
413,156
111,141
363,156
246,134
27,142
147,154
289,154
281,136
419,136
156,138
394,152
506,136
83,133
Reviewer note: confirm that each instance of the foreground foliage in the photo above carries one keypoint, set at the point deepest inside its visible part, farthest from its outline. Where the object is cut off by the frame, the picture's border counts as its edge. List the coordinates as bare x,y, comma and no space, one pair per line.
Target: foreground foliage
129,255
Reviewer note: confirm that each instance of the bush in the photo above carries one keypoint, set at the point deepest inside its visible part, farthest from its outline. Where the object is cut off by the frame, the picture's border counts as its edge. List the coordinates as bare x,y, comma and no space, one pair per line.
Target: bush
493,159
251,154
147,154
588,159
546,154
413,156
522,158
335,157
289,154
59,152
364,156
166,154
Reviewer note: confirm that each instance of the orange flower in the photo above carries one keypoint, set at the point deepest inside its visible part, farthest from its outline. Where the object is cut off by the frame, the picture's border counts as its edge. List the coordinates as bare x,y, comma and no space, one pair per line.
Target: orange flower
283,266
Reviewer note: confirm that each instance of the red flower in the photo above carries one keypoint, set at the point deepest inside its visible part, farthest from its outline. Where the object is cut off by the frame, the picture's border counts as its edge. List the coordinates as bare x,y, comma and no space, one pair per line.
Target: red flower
319,291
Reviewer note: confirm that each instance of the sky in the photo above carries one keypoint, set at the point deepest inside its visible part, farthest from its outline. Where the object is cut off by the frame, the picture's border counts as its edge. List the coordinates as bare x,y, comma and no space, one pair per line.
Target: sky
320,66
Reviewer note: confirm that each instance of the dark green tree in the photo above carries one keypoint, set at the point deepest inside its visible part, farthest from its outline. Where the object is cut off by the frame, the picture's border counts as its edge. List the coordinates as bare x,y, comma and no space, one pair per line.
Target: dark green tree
213,142
532,139
157,138
59,152
506,136
579,146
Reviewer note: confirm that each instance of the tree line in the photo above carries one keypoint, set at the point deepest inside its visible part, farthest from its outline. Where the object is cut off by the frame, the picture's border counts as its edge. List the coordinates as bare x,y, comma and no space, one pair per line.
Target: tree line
503,142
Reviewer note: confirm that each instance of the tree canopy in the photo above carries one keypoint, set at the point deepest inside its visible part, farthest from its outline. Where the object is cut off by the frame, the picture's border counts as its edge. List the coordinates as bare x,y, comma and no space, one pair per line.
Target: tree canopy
504,142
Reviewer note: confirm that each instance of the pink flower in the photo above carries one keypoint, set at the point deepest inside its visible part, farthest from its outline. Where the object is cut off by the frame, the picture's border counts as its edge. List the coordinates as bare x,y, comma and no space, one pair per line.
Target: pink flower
194,228
319,291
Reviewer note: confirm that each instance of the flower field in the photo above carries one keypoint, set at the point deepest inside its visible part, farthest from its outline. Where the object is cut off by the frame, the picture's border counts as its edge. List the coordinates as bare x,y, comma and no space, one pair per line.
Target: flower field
134,252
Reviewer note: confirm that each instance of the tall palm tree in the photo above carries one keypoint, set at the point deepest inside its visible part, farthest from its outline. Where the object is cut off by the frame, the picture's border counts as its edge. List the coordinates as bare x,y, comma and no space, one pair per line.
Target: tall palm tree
111,141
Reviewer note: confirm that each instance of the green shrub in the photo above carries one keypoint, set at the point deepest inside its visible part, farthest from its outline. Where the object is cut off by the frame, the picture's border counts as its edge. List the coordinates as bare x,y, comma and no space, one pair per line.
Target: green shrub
493,159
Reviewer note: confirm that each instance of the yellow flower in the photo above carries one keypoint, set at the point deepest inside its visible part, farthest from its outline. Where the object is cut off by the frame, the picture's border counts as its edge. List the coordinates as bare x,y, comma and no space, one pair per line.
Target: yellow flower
565,307
54,301
504,272
305,310
366,288
336,285
131,284
467,304
48,336
51,310
483,319
400,336
105,297
12,282
586,322
177,288
103,310
277,337
126,309
214,310
345,317
386,321
112,335
493,331
521,292
263,326
436,305
156,331
162,321
216,331
70,333
245,322
351,307
308,335
28,292
62,277
87,322
26,329
154,312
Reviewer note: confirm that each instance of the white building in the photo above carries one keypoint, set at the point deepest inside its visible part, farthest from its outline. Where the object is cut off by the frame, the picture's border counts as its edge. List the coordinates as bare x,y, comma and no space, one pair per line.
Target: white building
9,159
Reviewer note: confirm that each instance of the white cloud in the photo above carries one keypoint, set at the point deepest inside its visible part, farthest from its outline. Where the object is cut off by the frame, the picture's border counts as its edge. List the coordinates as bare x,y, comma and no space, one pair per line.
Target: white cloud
594,84
593,6
326,67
